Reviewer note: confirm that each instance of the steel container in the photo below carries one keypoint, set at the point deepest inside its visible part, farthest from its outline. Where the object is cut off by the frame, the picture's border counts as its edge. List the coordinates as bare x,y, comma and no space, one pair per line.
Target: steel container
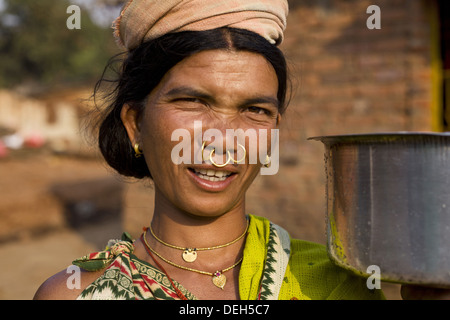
388,205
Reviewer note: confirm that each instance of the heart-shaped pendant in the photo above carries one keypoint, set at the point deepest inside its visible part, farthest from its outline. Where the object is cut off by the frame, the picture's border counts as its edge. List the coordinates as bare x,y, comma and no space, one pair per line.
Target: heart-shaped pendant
189,255
219,280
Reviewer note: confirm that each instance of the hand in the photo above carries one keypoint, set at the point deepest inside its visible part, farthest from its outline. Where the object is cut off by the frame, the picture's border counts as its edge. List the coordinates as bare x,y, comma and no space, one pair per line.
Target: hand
414,292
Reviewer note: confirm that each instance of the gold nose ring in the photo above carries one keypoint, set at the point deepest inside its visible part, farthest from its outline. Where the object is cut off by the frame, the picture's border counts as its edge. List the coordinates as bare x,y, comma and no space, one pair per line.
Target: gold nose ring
229,157
219,165
243,158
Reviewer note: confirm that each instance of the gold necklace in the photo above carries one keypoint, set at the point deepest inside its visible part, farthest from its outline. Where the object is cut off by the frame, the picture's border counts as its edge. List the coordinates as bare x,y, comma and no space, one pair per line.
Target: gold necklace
218,277
190,254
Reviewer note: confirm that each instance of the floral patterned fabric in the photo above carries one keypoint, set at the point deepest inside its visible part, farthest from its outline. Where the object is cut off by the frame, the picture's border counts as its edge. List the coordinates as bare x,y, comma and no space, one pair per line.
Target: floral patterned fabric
126,277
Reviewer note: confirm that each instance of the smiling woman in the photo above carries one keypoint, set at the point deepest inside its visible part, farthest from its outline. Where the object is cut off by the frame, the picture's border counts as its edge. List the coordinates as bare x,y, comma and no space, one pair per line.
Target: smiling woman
142,75
214,62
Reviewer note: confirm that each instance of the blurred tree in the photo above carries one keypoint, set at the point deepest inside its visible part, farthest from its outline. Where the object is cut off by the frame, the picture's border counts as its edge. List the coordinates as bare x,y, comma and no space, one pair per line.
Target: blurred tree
37,48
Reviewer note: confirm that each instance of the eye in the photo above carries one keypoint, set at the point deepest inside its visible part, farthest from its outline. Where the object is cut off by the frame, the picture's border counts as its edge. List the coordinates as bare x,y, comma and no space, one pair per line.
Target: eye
190,99
259,110
190,103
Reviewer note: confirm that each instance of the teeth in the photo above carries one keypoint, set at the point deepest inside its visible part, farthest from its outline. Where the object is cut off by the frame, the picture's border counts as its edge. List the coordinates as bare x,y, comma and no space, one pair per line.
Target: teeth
220,174
212,175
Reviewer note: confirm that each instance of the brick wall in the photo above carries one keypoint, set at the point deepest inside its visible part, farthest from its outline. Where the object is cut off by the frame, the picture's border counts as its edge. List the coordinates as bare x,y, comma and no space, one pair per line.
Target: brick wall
347,79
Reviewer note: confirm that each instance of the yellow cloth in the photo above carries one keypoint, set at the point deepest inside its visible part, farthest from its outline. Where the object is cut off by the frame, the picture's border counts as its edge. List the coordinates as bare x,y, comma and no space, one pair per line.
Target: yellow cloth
310,274
142,20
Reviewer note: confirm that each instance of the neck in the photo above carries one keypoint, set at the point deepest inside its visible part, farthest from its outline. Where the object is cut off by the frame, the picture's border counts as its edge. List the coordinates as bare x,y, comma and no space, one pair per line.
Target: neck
184,229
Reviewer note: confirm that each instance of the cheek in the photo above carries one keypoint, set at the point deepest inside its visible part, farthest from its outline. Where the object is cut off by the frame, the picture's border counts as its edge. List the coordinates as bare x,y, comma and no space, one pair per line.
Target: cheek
264,144
154,137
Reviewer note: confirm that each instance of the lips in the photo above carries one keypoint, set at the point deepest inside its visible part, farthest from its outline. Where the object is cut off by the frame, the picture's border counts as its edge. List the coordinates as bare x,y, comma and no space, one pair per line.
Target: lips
211,179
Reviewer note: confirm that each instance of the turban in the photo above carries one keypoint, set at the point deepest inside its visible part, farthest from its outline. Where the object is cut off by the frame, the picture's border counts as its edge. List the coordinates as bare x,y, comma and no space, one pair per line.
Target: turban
143,20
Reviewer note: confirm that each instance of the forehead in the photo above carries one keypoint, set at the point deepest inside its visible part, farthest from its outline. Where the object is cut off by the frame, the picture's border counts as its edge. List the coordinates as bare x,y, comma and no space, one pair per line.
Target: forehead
225,70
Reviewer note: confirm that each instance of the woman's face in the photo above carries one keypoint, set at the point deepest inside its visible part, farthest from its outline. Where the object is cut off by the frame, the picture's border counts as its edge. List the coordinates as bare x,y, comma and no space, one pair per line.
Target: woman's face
222,90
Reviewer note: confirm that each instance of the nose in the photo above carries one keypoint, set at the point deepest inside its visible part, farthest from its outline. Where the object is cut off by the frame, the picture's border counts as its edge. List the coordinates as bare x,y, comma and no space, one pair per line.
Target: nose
224,142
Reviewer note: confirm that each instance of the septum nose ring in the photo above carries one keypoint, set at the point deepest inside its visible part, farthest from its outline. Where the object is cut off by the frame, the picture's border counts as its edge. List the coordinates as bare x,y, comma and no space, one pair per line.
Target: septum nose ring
229,157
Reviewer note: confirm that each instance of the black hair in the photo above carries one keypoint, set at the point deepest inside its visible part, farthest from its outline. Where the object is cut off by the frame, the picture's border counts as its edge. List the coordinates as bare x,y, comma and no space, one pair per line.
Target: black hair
144,67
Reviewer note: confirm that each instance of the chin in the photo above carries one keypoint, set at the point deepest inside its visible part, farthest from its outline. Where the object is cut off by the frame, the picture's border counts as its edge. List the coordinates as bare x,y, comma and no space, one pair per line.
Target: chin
211,207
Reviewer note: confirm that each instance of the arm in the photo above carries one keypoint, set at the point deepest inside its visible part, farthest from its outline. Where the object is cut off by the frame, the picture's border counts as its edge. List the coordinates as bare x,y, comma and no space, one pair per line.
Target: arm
59,286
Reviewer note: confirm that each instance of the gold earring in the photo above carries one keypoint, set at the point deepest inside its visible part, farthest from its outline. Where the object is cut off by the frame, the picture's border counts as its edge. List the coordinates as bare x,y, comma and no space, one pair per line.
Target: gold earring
137,152
267,162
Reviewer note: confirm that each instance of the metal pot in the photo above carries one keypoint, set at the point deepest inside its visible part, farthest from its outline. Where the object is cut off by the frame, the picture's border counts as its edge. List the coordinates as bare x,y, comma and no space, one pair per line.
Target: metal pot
388,205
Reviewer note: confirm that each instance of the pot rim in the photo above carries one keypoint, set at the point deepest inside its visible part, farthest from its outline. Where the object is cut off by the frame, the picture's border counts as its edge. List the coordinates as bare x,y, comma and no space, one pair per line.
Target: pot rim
378,136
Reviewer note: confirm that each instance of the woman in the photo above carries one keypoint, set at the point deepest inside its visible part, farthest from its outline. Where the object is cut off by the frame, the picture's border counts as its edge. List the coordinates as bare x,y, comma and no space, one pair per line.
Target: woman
218,65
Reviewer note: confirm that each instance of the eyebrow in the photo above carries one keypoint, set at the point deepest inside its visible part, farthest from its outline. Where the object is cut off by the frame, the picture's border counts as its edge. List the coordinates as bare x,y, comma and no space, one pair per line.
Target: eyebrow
263,100
184,90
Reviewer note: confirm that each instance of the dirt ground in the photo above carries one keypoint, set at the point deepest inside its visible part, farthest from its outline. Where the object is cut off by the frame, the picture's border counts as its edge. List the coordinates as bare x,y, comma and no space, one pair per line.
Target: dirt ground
37,238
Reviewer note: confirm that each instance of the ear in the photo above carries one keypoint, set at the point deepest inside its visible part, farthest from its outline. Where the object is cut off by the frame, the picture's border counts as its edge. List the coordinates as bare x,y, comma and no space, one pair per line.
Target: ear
129,118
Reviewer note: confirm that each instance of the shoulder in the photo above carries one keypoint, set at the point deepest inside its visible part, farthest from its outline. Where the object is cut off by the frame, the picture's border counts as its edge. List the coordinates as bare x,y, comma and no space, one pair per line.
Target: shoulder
66,284
316,276
311,256
313,260
305,249
69,283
